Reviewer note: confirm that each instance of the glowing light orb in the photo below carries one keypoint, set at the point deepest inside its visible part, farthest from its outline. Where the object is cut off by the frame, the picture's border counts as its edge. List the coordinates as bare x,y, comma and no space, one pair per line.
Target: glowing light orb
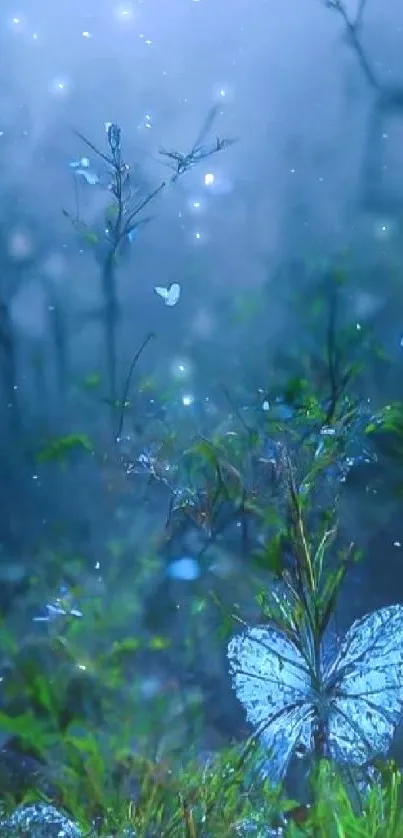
223,92
60,86
196,205
124,12
181,368
20,245
384,229
17,23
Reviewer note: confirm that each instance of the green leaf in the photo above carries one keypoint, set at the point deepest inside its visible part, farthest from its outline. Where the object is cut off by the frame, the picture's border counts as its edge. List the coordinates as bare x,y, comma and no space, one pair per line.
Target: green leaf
90,237
159,642
371,427
60,448
320,553
198,606
205,450
122,648
30,730
270,557
328,598
92,380
295,389
112,211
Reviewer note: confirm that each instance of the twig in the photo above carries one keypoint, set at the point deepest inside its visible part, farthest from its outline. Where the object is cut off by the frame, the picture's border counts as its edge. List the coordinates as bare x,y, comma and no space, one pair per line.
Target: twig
93,147
360,13
141,206
352,27
133,364
121,223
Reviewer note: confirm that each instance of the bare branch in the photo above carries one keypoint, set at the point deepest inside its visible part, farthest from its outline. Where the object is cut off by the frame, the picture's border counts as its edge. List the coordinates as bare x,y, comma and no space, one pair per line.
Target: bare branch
352,26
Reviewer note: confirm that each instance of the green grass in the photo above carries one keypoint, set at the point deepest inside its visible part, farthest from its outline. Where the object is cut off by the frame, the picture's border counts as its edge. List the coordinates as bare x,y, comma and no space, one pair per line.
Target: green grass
177,800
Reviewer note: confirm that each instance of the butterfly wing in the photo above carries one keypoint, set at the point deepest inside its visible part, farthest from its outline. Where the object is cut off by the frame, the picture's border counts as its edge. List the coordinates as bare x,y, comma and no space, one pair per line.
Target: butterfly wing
365,688
162,292
273,683
173,294
91,178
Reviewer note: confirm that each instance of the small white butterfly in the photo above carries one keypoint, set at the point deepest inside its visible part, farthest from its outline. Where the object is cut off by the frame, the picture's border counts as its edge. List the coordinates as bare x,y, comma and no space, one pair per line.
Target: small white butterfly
169,295
358,699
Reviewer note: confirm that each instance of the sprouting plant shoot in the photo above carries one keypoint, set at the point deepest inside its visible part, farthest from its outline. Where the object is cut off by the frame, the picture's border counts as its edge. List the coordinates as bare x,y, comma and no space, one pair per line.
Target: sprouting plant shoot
124,217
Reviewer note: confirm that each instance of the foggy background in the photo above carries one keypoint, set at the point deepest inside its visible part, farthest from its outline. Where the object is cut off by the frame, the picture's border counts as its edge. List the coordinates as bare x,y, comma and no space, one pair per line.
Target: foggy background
316,172
292,92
